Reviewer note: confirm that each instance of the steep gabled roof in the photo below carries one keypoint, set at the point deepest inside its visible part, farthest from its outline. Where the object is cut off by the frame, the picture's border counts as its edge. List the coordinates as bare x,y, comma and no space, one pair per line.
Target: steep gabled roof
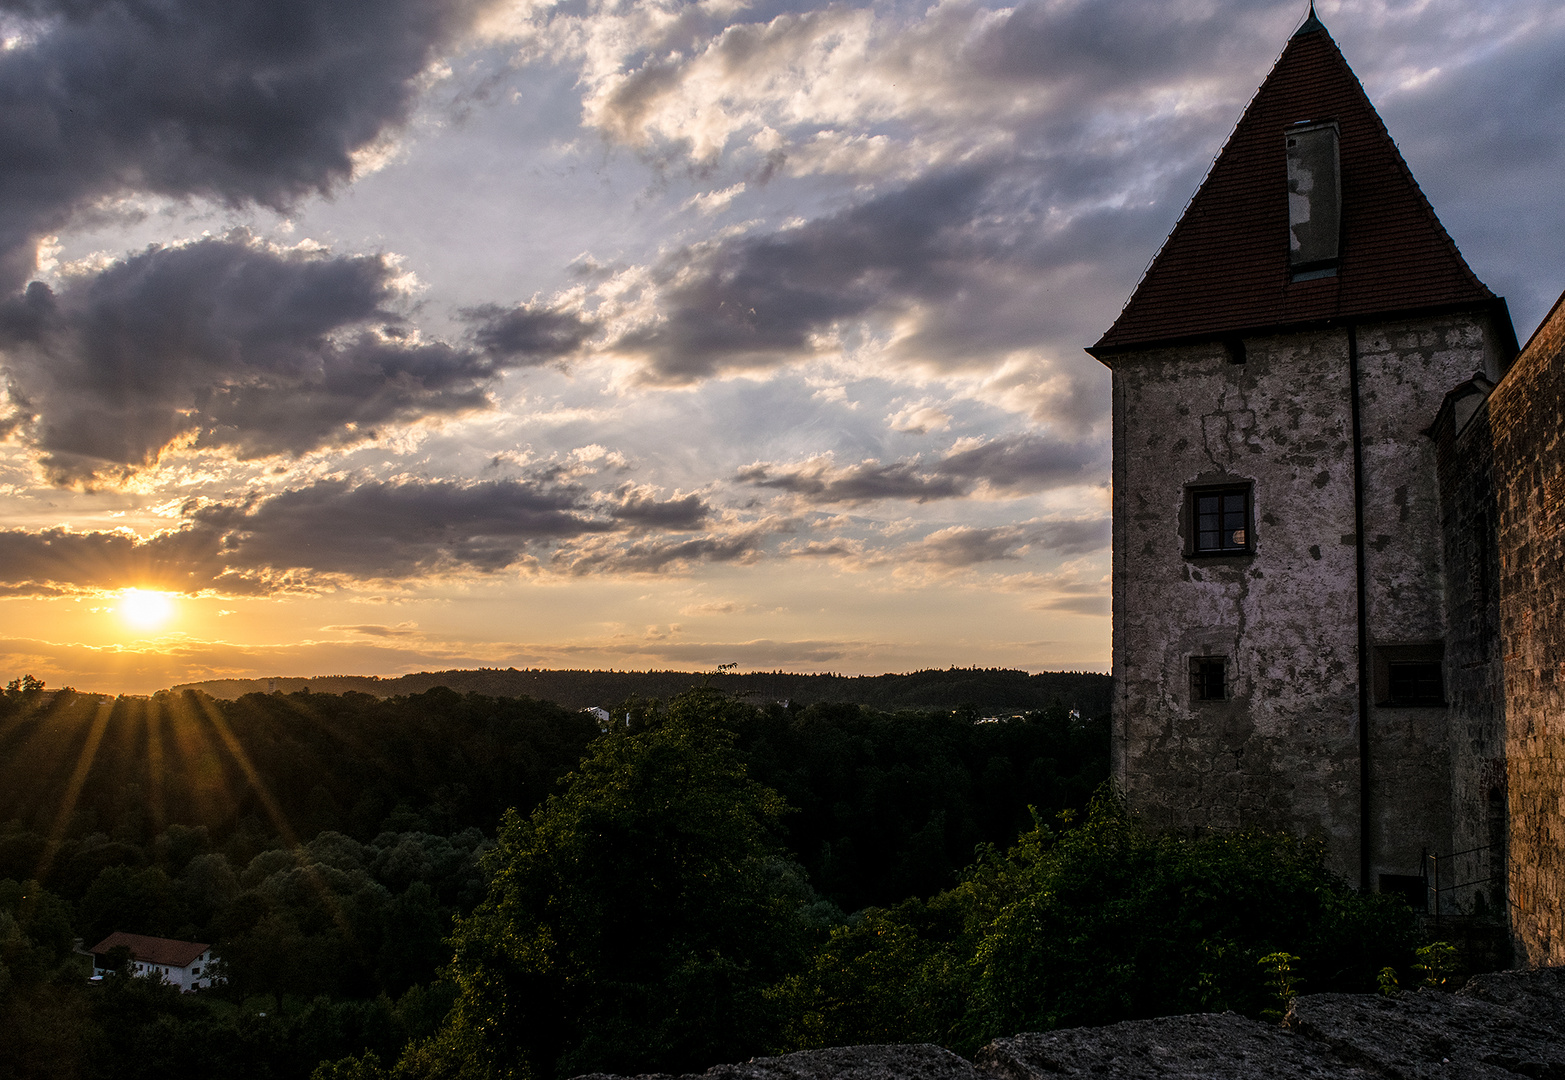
153,950
1224,269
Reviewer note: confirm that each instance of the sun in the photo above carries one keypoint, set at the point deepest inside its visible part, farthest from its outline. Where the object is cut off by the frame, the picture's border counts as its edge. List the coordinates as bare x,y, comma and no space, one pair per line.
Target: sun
146,610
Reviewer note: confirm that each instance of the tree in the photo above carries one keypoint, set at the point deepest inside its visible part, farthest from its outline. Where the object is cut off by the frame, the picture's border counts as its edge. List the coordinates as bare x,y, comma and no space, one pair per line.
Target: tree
634,921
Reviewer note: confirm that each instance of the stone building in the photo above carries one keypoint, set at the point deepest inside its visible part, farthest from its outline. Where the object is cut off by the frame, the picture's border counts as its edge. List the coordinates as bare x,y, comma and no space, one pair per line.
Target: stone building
1317,582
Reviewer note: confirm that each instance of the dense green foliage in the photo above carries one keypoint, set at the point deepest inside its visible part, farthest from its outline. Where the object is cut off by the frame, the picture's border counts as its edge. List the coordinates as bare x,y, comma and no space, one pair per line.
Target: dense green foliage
1092,924
894,805
676,902
636,920
262,770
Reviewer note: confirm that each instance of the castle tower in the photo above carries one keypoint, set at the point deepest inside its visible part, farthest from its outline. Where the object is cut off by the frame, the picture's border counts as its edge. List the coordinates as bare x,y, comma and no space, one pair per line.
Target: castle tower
1279,618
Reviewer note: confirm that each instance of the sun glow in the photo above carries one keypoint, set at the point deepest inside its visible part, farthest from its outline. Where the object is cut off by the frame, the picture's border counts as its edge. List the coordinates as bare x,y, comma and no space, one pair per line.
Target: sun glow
146,610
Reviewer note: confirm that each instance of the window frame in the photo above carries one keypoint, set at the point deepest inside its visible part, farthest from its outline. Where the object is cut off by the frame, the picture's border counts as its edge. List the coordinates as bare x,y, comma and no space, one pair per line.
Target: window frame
1192,509
1200,679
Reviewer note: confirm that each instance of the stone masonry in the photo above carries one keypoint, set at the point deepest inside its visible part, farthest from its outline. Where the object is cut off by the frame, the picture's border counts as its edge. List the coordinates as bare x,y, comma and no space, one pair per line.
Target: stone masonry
1502,471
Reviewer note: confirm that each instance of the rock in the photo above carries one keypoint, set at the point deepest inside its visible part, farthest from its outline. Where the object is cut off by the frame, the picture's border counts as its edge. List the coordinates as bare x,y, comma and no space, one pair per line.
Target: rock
1506,1025
892,1062
1429,1034
1537,995
1210,1046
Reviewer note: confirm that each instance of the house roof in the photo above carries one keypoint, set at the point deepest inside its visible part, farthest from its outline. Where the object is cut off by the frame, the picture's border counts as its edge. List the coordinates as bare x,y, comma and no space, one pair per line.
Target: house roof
1224,270
154,950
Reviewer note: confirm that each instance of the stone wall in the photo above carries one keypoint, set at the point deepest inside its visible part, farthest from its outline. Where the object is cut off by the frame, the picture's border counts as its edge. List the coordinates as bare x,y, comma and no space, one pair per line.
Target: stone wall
1526,413
1281,751
1475,679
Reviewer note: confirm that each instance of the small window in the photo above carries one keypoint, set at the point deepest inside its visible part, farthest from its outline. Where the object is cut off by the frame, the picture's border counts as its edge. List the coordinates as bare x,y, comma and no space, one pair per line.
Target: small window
1314,200
1220,520
1415,682
1208,678
1410,675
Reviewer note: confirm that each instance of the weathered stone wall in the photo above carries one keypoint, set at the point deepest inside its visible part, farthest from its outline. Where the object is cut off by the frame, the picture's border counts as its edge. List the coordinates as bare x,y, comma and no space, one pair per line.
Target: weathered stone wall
1406,369
1282,751
1475,677
1527,418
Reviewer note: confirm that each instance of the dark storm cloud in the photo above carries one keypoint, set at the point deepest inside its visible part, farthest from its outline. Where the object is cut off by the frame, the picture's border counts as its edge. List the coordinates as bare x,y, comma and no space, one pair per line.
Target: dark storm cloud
386,530
527,335
1078,537
1026,462
755,301
335,530
55,562
958,255
238,101
656,554
820,482
962,546
223,343
642,511
1096,49
1014,465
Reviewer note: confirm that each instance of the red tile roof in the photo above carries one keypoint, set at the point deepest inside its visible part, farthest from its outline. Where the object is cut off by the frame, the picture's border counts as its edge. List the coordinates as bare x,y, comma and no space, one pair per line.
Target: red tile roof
1224,268
153,950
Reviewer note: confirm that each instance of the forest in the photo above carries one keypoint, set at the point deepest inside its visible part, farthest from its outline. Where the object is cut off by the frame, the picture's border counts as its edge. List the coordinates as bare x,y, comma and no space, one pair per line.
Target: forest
447,884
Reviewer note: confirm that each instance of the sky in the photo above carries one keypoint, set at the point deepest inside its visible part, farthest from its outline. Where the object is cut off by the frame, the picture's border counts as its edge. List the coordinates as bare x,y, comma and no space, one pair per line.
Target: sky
383,336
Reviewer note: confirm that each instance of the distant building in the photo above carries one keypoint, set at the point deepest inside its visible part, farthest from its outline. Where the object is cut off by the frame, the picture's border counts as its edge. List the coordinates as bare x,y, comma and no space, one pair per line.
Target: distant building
185,964
1339,523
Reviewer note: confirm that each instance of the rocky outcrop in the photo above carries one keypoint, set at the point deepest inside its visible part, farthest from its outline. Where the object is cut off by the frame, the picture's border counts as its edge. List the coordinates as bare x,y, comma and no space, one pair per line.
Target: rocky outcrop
1503,1026
894,1062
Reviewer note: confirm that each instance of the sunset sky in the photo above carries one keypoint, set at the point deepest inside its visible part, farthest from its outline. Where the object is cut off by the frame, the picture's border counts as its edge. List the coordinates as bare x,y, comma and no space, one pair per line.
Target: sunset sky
381,336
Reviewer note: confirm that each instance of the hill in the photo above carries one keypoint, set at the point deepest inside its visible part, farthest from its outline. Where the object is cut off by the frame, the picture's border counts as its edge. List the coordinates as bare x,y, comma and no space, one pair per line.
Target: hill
988,691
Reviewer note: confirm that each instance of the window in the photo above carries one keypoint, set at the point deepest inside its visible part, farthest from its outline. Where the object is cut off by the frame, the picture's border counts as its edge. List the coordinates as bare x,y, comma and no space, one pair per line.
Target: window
1410,675
1416,683
1220,521
1314,200
1208,678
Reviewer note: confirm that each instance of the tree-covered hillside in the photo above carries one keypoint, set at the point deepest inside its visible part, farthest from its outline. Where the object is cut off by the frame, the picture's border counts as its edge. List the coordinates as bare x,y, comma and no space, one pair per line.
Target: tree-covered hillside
989,691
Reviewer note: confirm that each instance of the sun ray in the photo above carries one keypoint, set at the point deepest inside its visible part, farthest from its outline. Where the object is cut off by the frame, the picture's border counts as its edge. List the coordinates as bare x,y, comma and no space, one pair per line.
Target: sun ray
214,716
154,717
73,788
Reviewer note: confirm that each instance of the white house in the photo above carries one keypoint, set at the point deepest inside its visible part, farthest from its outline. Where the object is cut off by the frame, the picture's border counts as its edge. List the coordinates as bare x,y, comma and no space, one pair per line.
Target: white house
185,964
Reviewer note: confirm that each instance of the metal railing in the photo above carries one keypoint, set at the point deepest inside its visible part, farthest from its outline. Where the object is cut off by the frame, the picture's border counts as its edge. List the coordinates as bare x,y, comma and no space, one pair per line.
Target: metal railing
1432,870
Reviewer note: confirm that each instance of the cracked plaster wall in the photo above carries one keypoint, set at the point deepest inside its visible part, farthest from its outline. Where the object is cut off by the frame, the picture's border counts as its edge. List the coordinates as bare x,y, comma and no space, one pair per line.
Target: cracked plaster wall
1282,751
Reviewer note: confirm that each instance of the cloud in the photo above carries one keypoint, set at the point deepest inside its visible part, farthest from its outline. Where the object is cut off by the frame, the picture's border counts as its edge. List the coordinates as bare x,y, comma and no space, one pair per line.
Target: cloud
380,530
658,554
920,419
757,302
1011,465
376,630
886,90
527,335
642,509
236,101
962,546
819,481
338,532
226,344
1023,463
